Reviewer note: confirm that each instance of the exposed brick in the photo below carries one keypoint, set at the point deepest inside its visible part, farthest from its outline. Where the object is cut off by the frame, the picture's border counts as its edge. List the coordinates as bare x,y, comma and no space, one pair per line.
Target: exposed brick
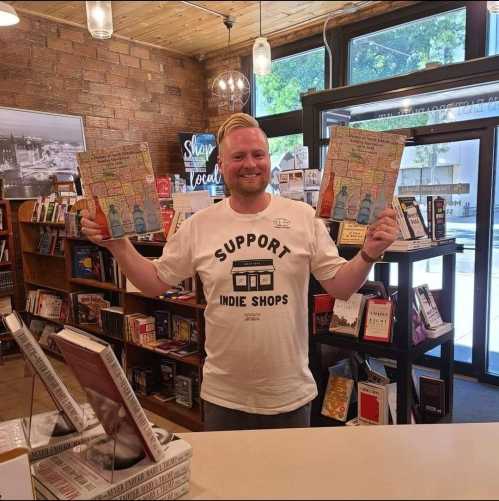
134,62
118,46
116,69
98,122
68,70
60,44
73,35
116,80
85,50
102,89
107,55
73,61
150,66
85,98
96,65
102,111
140,52
118,123
93,76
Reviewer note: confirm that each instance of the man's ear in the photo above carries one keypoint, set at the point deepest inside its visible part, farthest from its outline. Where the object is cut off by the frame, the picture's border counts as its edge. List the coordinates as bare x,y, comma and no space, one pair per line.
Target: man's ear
220,165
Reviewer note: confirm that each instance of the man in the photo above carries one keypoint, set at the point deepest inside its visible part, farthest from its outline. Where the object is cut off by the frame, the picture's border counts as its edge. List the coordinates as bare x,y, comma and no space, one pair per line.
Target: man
254,254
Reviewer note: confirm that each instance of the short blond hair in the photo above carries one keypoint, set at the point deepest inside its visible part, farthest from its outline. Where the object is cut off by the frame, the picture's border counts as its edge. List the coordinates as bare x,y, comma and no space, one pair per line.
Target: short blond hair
237,121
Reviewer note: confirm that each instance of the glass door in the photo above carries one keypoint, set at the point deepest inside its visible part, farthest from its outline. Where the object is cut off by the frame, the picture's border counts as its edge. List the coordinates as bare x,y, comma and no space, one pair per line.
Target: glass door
432,166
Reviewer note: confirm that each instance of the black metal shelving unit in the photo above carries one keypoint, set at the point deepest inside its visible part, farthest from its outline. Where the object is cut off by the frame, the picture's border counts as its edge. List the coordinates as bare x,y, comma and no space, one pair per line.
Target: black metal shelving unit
401,350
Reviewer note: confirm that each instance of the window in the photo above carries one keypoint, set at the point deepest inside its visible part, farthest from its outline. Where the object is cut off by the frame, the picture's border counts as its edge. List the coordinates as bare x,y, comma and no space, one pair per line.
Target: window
492,34
281,157
408,47
280,91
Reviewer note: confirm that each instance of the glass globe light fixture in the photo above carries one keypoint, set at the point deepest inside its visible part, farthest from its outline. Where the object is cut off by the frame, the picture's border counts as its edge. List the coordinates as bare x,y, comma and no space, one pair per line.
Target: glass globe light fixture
100,19
8,15
231,87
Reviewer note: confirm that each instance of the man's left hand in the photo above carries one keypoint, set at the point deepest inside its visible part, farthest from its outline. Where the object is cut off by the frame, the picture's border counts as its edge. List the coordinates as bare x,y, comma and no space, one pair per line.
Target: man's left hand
381,234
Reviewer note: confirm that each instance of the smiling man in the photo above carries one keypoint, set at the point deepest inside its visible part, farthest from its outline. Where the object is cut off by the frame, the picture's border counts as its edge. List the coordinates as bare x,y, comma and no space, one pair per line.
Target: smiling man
254,254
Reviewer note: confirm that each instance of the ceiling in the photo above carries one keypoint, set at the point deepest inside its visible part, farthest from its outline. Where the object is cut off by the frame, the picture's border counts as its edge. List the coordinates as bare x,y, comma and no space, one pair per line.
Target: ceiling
187,30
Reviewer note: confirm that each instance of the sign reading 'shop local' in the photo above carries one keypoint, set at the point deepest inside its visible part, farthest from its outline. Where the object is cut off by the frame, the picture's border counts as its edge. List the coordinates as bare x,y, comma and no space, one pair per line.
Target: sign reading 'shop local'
200,153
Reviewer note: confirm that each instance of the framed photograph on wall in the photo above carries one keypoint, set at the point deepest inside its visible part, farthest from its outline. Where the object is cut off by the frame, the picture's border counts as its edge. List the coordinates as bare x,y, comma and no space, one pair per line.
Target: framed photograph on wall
35,149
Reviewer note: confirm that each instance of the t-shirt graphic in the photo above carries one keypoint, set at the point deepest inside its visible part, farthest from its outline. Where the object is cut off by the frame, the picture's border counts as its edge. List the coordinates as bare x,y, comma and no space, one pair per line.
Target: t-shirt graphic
253,275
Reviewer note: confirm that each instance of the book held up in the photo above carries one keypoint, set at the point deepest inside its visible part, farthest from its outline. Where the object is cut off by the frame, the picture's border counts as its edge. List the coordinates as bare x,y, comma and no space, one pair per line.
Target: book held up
120,188
360,174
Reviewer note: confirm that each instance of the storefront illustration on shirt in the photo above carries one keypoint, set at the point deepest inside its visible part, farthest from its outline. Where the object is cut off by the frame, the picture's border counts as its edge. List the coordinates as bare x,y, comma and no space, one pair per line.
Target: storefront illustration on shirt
253,275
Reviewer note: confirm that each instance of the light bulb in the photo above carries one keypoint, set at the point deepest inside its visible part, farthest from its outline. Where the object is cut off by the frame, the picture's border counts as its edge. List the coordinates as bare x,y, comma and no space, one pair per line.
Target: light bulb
262,58
8,15
222,85
100,19
240,84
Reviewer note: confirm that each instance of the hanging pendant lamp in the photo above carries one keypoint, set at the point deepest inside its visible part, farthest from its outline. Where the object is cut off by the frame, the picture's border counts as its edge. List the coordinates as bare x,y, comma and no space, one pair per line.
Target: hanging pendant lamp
262,59
231,87
8,15
100,19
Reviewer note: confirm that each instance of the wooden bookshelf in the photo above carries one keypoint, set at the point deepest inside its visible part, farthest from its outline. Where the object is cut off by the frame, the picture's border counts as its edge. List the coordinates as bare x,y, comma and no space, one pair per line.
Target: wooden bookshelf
55,272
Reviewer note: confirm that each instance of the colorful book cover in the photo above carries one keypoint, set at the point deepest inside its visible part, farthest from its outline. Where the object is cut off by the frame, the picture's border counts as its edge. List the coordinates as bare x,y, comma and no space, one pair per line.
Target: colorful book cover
337,397
360,174
120,187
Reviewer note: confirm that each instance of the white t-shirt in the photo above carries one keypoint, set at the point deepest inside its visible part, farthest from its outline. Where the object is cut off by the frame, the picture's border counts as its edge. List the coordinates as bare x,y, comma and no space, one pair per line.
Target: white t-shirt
255,270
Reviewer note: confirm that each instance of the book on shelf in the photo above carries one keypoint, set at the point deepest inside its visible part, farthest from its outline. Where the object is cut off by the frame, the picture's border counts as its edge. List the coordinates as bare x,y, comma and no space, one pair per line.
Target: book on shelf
360,174
435,206
5,305
337,397
374,288
45,371
184,390
379,320
100,374
443,241
372,403
6,279
428,306
431,398
444,328
376,372
87,307
347,315
164,186
311,179
409,218
121,190
68,476
322,310
3,247
409,245
112,320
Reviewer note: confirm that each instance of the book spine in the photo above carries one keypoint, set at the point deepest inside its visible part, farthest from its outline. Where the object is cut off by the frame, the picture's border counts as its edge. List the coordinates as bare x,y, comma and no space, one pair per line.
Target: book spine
53,449
404,230
162,493
51,380
156,469
154,449
429,215
171,479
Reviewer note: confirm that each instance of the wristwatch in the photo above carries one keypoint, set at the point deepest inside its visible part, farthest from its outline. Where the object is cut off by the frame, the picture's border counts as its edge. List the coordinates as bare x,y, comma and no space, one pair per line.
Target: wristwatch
368,259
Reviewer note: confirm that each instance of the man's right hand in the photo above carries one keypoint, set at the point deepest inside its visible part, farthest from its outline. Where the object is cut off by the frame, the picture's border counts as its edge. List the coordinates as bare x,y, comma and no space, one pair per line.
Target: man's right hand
93,232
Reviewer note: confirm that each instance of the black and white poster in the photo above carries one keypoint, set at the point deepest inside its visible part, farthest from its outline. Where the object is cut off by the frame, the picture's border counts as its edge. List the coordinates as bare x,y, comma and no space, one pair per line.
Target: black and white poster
35,148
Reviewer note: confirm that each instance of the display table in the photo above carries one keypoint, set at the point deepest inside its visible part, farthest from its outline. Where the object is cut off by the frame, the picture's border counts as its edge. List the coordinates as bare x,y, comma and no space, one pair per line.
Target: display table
443,461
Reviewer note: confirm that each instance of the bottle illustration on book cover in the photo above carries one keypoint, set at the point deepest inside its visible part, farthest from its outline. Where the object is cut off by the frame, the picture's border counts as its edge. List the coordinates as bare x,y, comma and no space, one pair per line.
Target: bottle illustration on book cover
379,205
339,209
116,224
138,219
101,220
365,209
152,221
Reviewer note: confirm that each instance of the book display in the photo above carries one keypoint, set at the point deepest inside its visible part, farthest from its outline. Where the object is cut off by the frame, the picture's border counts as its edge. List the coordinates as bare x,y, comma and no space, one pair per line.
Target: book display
402,342
92,294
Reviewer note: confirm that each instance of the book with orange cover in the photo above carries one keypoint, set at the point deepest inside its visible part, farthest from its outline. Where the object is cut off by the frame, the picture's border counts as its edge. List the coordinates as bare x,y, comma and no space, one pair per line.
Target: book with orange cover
337,397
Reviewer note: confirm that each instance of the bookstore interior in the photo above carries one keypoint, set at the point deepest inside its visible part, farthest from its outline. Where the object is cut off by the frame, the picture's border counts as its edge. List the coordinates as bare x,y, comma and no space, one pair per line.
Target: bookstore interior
359,308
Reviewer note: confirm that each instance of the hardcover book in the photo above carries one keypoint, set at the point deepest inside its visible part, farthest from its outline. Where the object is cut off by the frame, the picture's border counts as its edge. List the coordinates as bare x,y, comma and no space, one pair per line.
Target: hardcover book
322,312
101,376
432,398
120,187
410,218
360,174
337,397
428,307
347,315
44,369
436,217
351,233
68,476
373,403
379,316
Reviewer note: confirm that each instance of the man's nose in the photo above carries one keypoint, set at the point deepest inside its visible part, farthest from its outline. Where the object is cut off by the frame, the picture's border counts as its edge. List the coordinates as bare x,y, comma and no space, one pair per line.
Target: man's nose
249,161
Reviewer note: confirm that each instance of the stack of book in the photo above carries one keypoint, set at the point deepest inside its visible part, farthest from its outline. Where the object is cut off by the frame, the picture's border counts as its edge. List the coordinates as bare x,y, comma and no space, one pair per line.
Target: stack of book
46,304
6,280
413,231
434,325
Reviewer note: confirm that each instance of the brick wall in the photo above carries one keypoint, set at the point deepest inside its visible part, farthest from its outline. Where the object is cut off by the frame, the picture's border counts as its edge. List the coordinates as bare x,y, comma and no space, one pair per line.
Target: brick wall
124,91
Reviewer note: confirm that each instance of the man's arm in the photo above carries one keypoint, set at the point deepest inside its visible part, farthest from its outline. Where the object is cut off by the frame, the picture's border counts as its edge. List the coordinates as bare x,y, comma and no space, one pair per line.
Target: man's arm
352,275
138,269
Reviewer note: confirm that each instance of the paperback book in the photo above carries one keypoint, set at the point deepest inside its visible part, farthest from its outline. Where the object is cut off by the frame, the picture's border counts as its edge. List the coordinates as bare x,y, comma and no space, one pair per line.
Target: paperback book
337,397
360,174
372,403
379,317
409,218
436,217
120,188
347,315
428,307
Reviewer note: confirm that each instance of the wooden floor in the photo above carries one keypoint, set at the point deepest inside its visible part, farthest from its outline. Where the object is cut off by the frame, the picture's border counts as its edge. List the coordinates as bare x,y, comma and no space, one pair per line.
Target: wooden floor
15,391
